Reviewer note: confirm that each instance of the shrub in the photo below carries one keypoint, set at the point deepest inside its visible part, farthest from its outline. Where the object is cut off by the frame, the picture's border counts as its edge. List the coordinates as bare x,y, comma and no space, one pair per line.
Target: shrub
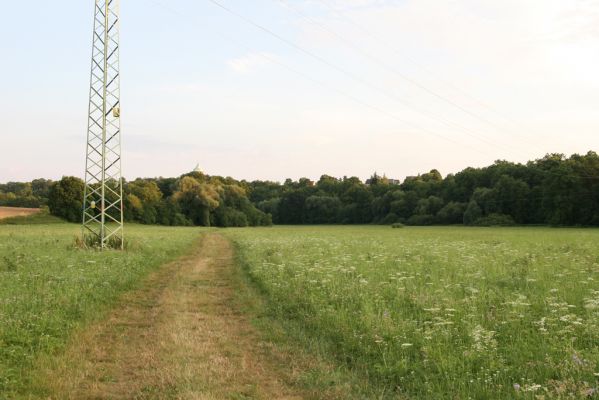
391,218
495,220
181,220
229,217
421,220
267,220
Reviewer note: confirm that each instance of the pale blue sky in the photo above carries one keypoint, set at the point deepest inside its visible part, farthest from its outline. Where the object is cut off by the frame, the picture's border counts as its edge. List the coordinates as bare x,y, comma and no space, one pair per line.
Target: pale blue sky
397,87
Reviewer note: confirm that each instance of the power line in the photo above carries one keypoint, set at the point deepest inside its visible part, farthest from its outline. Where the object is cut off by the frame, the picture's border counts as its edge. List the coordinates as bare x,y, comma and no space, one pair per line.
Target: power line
341,70
379,62
409,59
394,71
273,60
424,68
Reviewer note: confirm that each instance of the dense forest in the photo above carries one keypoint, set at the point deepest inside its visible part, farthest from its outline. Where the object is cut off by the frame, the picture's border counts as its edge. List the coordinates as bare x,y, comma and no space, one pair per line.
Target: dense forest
553,190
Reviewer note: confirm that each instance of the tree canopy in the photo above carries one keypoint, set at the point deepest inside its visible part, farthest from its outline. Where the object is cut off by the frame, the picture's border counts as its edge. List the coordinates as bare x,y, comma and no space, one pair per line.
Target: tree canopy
553,190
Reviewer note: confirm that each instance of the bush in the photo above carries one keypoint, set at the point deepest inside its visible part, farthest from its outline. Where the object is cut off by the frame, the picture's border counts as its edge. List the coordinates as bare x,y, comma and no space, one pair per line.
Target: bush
89,241
267,220
421,220
398,225
229,217
180,220
391,218
495,220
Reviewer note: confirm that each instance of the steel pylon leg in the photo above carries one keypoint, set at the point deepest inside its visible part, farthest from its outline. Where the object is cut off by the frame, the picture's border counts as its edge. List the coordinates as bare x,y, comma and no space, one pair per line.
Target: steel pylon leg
103,197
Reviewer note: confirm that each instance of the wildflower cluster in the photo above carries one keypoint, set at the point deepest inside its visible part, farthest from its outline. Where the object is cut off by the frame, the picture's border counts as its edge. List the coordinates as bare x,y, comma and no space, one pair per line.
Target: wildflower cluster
484,313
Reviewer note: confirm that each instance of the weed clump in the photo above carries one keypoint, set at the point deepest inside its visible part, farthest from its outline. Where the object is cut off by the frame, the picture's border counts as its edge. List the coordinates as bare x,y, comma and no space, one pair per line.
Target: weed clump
93,242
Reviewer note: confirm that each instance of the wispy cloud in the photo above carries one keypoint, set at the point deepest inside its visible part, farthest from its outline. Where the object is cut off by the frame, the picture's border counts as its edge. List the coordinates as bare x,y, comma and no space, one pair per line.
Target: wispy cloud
250,62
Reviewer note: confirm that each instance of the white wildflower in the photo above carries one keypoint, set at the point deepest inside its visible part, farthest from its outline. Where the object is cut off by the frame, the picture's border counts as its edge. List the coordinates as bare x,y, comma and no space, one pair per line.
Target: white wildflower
532,388
483,339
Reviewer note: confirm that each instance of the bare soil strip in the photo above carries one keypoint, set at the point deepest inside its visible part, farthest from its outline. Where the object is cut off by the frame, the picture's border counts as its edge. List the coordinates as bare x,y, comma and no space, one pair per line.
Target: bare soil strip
178,337
9,212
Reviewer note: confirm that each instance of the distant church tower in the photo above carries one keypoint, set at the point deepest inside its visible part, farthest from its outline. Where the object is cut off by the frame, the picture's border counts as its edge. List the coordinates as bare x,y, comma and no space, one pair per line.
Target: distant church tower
198,169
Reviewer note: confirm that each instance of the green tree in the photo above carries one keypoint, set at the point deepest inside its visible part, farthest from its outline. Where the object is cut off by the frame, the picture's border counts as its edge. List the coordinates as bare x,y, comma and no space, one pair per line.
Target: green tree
451,213
473,213
322,209
197,199
66,199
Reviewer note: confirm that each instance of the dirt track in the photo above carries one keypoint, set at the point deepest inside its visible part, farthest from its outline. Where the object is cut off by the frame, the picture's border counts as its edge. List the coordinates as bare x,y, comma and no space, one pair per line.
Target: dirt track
9,212
178,337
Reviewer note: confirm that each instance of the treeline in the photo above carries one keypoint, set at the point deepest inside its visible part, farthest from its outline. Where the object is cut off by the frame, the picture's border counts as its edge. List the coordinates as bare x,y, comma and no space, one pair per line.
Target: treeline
192,199
554,190
32,194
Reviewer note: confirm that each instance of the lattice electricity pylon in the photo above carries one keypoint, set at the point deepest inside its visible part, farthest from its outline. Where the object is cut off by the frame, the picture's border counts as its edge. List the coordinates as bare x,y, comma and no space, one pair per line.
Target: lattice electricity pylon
103,198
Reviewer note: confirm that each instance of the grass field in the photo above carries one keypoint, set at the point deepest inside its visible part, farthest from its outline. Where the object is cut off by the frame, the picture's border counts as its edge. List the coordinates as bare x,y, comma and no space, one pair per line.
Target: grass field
414,313
48,288
435,313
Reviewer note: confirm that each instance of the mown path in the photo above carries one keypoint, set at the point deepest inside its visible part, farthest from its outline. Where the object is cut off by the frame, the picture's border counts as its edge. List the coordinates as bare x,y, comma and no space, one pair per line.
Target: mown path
178,337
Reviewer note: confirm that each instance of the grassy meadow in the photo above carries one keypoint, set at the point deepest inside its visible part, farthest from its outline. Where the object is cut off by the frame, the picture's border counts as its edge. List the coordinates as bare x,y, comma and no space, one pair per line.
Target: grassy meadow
442,312
413,313
48,288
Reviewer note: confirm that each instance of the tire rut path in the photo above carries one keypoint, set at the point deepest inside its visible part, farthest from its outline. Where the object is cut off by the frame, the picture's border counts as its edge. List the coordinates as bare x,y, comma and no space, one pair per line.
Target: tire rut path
180,336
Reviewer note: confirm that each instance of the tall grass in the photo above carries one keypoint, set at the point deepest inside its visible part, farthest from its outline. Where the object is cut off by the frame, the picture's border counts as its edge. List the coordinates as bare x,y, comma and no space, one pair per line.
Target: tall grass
48,287
439,313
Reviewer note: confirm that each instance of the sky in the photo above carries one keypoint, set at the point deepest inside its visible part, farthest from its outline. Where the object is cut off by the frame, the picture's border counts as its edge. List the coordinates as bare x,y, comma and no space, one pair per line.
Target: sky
275,89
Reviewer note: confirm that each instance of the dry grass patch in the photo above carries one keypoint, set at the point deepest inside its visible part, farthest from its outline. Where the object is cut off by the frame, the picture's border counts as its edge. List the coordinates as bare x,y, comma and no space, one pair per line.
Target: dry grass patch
11,212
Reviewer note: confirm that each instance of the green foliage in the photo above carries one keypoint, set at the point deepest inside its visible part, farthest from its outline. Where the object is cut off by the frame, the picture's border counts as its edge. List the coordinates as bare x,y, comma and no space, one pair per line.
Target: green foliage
292,205
438,313
495,220
553,190
193,200
473,213
452,213
65,199
230,217
26,195
389,219
323,209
